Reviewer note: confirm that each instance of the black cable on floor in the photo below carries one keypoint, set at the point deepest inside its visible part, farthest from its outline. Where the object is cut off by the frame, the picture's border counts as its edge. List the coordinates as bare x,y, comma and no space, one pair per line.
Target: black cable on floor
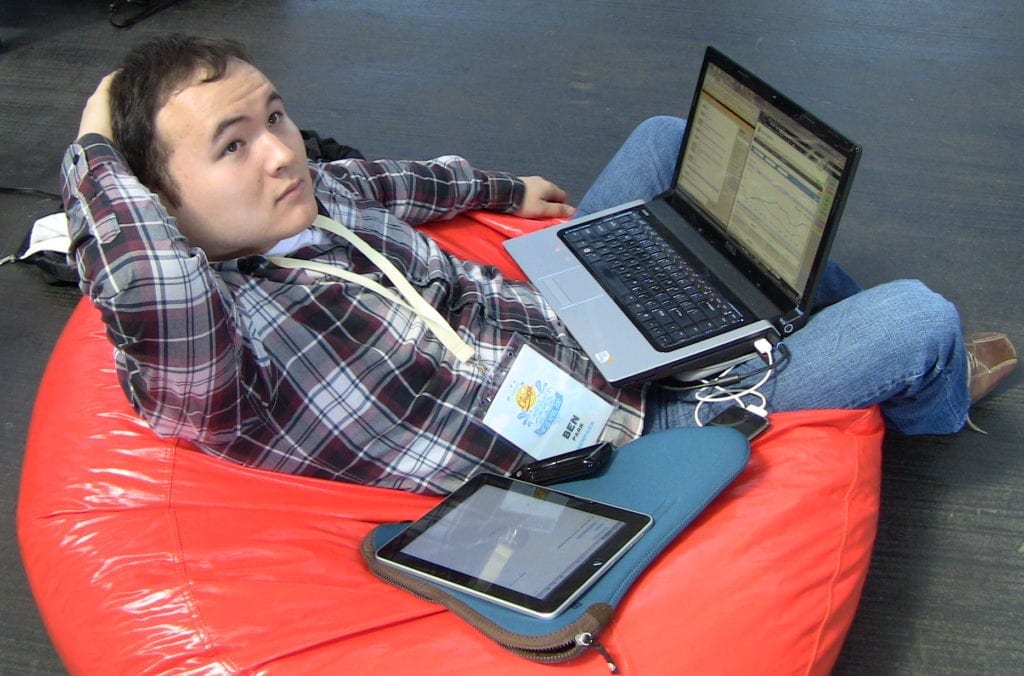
145,9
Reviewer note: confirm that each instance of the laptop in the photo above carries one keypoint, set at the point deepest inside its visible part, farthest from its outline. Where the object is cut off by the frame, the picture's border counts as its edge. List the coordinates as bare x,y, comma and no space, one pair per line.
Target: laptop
686,284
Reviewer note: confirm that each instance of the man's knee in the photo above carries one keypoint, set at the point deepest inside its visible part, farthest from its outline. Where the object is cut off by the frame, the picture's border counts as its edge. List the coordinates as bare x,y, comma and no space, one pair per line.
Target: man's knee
660,127
911,299
924,321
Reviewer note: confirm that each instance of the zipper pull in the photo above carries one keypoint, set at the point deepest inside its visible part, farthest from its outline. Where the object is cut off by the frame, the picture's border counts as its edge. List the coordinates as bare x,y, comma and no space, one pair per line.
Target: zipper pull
586,640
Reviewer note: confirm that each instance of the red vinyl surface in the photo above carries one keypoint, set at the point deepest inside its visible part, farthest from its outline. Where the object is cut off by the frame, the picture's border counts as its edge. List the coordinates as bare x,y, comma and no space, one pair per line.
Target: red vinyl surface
146,556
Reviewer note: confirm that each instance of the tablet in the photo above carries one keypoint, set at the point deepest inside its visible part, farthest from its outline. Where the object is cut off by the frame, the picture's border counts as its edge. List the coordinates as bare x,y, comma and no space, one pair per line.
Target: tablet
516,544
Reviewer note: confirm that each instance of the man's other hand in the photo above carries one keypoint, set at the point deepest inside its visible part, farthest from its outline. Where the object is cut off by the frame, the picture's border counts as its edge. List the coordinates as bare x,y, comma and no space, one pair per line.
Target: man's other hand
543,199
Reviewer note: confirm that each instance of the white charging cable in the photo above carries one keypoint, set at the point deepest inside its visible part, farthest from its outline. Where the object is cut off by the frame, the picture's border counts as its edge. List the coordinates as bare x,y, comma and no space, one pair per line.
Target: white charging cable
712,394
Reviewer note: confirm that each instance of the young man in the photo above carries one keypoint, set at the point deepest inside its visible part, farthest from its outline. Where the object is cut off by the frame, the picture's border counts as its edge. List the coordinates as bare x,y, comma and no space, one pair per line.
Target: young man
188,174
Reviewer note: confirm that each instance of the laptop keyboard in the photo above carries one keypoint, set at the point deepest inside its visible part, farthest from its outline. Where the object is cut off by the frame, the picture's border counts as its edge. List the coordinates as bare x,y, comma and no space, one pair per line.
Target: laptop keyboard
670,301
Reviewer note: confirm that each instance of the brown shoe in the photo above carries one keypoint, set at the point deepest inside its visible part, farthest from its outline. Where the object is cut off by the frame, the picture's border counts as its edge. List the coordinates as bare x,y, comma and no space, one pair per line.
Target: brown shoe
990,359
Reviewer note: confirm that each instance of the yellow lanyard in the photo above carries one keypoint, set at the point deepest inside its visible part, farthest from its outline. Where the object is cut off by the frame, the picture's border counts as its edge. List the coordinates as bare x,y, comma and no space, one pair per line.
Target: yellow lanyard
410,298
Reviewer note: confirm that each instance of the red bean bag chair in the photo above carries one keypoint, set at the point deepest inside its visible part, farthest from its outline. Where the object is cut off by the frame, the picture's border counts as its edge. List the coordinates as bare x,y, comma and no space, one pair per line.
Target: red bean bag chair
147,556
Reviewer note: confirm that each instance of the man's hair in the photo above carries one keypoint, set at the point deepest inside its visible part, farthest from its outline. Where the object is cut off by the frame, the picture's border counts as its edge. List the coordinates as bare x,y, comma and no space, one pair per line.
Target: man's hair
149,75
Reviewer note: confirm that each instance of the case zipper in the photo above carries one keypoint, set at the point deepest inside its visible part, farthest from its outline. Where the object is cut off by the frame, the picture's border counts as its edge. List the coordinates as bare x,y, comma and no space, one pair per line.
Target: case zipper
587,640
560,653
553,654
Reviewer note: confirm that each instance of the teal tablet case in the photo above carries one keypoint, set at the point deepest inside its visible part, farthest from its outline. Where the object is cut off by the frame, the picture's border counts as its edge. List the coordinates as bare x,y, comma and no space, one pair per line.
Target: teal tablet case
671,475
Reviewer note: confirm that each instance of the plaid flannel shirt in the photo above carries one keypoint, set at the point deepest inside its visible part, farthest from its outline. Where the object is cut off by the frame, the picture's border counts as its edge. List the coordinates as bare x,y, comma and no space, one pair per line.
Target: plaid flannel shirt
287,371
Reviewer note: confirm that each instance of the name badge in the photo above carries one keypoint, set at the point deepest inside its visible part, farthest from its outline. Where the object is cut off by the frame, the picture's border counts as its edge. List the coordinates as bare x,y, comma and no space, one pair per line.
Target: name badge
541,407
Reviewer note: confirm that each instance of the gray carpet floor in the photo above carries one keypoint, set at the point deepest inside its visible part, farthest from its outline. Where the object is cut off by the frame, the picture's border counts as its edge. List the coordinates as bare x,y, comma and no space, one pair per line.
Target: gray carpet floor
934,90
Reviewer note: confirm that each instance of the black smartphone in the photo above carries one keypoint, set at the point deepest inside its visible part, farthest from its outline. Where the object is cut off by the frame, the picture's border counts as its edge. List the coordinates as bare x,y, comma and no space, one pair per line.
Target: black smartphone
567,466
751,424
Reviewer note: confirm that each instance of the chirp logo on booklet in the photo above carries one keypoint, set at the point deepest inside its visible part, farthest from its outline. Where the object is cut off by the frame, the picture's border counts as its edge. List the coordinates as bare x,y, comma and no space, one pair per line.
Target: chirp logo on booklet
542,408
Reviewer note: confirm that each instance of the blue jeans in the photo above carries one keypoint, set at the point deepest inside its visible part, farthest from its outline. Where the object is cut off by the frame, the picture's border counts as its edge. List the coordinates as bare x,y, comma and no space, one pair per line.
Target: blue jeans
898,345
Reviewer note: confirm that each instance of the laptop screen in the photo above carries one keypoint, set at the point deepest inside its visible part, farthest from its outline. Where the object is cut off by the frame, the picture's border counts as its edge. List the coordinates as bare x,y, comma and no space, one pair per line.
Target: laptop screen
763,180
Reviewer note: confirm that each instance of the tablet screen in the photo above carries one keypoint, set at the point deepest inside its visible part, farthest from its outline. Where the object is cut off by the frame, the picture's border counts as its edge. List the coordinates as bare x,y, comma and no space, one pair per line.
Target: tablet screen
517,544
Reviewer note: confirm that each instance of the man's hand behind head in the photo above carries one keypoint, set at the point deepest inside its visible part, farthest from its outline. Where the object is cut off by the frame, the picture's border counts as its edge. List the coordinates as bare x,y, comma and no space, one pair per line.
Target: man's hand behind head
96,117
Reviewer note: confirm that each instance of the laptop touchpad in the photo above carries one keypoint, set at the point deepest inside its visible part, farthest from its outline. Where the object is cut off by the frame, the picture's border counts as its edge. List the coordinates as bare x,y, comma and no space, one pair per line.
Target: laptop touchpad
564,289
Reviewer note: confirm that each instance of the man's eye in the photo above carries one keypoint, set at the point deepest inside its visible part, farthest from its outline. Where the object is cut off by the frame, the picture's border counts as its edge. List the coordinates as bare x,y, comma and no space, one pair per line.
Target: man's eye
274,119
232,147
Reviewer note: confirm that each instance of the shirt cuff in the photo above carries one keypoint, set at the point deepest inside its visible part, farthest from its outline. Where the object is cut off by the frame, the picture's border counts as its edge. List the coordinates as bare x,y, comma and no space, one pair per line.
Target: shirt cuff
506,192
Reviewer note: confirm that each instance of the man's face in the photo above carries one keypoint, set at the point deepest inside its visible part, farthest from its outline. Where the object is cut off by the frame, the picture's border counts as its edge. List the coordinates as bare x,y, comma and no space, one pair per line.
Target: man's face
238,163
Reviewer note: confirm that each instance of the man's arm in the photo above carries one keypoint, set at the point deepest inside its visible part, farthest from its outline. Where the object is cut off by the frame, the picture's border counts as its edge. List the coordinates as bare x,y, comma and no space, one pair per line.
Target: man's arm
418,192
165,311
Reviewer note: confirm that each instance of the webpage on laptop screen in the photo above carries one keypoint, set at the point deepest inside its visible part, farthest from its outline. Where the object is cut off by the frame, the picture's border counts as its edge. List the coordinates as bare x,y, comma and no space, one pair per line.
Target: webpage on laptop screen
766,182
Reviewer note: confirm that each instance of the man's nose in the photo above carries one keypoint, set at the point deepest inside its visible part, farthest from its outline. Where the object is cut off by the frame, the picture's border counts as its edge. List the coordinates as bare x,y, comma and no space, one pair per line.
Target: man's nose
278,153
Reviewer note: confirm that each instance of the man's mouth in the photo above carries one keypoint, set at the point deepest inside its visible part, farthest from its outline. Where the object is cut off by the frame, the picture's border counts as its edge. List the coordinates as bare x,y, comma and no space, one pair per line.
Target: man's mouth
294,188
